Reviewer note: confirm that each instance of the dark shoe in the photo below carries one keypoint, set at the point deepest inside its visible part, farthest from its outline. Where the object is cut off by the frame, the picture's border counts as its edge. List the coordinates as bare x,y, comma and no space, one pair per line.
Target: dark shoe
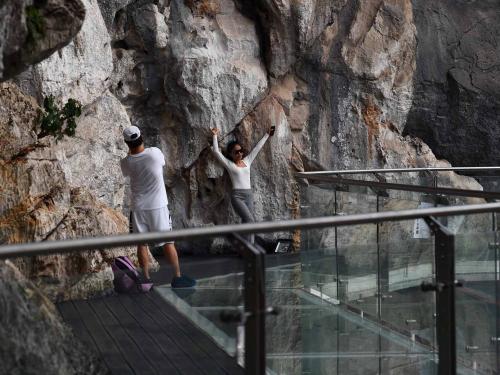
144,284
183,282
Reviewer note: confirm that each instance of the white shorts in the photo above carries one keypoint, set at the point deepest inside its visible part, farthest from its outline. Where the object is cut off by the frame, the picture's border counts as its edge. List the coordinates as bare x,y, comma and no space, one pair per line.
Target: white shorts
157,220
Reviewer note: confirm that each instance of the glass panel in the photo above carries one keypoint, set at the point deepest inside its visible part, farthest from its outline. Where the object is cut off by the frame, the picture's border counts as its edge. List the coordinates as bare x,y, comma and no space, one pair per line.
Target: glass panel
358,282
317,201
489,183
319,272
353,203
325,339
404,266
367,364
405,310
406,259
469,223
204,305
476,266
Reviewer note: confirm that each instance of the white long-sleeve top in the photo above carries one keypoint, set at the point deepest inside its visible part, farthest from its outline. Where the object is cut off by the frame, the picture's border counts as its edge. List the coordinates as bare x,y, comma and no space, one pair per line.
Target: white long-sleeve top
240,176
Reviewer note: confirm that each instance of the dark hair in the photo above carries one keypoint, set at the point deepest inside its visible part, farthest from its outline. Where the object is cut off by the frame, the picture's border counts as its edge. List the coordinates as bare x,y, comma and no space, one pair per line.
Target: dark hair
230,146
135,143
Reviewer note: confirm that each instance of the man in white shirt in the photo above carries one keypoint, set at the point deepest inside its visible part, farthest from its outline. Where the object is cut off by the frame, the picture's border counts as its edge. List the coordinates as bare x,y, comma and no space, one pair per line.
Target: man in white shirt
149,203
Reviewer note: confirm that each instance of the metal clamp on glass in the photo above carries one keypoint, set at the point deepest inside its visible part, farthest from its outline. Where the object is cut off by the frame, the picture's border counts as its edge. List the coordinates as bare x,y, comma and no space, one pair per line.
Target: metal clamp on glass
239,316
427,286
472,348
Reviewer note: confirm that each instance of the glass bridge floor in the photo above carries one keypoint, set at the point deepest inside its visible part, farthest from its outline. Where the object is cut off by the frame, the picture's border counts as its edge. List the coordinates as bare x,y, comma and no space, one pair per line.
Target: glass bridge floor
314,333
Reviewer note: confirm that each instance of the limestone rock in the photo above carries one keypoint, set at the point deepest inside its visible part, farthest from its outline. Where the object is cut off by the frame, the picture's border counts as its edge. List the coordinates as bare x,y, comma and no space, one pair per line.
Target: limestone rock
336,77
34,340
81,70
457,97
109,8
18,119
92,158
151,26
216,76
40,201
82,274
291,27
30,31
384,51
346,80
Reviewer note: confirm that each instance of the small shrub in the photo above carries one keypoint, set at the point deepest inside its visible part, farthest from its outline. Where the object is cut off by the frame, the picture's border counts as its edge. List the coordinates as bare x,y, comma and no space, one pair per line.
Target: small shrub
35,24
59,122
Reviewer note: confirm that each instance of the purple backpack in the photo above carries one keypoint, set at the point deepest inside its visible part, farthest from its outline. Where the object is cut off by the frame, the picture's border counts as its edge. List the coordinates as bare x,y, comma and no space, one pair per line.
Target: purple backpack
126,277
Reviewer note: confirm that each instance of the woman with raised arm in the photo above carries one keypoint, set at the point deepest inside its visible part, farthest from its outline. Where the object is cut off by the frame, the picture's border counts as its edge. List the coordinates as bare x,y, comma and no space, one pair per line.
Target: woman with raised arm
238,167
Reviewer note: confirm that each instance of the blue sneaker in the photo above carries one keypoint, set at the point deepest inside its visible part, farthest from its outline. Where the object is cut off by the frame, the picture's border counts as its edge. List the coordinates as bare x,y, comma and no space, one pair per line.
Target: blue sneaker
183,282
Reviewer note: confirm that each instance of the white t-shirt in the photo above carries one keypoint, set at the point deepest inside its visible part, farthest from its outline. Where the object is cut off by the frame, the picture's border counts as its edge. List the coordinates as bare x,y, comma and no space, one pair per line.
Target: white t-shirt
240,176
146,179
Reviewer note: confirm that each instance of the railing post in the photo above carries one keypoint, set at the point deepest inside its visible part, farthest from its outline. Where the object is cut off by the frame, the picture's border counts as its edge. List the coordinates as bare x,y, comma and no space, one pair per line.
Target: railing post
497,288
445,296
255,307
337,267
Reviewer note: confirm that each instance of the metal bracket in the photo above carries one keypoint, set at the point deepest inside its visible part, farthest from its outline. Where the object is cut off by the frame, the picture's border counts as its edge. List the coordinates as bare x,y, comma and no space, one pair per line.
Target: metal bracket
239,316
472,348
377,191
436,226
439,287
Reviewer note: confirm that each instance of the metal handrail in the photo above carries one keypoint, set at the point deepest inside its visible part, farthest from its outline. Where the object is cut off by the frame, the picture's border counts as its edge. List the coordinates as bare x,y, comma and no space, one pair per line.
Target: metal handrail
405,187
398,170
51,247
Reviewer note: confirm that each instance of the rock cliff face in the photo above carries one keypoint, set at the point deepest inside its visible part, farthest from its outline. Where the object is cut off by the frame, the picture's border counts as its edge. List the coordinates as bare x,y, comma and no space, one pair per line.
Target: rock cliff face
348,84
455,108
34,341
31,30
46,197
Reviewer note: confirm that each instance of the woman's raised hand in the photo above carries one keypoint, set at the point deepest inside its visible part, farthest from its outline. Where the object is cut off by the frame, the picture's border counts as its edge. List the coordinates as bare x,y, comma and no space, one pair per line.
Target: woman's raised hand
214,131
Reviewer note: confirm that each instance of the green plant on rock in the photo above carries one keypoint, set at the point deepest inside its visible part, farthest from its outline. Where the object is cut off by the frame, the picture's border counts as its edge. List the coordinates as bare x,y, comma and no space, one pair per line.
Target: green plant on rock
35,24
59,122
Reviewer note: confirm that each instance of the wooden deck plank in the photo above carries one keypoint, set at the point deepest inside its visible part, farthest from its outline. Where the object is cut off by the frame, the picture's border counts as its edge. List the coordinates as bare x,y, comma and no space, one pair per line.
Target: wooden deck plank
130,350
71,316
165,343
204,362
105,343
144,334
205,342
144,346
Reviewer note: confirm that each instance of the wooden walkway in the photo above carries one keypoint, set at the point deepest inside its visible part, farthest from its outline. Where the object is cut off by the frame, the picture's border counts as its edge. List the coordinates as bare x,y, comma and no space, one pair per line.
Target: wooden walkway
143,334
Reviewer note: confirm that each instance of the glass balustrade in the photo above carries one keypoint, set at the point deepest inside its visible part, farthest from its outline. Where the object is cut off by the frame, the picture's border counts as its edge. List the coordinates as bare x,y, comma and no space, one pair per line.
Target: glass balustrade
350,301
476,301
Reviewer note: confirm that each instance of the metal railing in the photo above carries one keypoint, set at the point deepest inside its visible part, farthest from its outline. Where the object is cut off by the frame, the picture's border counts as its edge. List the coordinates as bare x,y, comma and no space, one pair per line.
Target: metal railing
405,187
399,170
445,244
65,246
254,300
335,178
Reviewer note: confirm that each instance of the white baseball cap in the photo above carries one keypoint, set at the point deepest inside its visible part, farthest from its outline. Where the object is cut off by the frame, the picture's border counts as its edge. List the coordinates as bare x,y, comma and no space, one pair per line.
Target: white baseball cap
131,133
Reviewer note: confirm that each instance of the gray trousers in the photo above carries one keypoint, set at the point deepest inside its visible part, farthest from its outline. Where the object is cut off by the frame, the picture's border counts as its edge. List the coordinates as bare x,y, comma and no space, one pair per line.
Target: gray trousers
242,201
